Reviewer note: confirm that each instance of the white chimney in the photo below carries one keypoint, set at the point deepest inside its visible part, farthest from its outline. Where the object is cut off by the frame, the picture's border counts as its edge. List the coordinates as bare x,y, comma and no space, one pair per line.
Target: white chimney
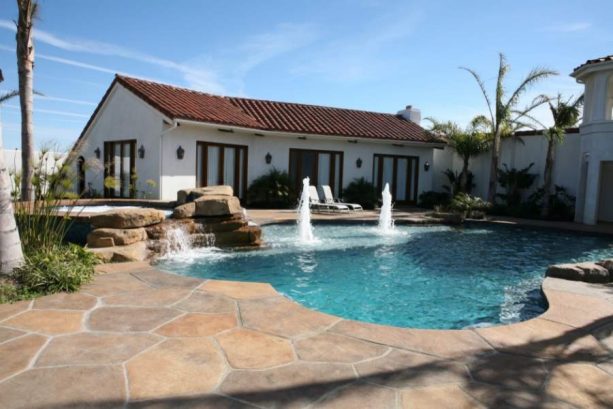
411,114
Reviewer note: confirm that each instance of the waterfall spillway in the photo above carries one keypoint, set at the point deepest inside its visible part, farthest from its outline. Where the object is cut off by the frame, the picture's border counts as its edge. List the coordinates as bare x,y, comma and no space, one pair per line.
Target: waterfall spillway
386,223
179,240
305,229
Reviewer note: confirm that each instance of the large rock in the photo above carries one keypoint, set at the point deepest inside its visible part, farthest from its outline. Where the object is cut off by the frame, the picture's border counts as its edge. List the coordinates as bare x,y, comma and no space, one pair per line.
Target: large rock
107,237
159,231
608,264
184,211
189,195
127,218
133,252
205,226
245,236
217,205
589,272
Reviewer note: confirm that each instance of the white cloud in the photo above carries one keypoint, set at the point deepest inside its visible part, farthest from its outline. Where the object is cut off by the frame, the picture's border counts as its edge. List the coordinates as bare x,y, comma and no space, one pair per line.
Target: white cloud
568,27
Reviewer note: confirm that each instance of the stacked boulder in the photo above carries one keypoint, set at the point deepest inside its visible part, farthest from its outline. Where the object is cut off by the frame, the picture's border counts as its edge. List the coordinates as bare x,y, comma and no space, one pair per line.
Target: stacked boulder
215,211
591,272
120,235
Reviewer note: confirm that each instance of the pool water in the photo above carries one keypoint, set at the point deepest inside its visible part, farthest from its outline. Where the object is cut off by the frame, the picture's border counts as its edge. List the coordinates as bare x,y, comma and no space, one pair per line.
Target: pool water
421,277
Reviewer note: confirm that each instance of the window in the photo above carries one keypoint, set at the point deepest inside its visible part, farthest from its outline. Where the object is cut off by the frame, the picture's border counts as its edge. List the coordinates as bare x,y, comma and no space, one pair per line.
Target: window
81,175
401,172
322,167
120,169
222,164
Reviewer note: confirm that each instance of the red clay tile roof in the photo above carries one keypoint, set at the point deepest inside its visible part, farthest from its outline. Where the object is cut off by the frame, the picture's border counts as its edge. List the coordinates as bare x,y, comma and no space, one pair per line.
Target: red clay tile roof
181,103
595,61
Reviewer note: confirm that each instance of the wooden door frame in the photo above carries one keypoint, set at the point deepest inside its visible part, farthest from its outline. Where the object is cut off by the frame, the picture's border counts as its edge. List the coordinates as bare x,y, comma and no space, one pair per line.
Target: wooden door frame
412,180
109,166
316,167
240,169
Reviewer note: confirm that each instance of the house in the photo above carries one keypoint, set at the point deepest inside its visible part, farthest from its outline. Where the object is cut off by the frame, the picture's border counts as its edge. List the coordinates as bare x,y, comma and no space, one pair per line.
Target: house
595,172
157,139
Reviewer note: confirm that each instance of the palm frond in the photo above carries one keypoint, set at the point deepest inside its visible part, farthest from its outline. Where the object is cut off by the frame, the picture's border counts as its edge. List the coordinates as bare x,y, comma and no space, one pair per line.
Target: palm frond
6,96
533,77
481,84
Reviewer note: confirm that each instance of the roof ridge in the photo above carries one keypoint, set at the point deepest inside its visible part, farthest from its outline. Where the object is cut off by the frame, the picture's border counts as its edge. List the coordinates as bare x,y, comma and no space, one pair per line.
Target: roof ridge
165,84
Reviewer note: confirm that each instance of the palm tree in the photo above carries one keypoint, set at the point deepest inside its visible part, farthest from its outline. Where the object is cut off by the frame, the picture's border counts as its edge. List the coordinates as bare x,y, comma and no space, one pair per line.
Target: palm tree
28,10
467,143
11,254
504,116
565,113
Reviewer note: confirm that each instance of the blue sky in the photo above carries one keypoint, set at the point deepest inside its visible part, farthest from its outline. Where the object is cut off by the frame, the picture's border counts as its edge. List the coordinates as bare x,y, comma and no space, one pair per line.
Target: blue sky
365,54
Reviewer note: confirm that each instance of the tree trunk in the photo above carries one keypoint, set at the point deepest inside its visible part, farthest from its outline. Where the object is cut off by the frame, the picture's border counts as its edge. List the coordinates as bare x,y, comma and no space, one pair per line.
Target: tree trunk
11,255
493,185
547,178
464,176
25,68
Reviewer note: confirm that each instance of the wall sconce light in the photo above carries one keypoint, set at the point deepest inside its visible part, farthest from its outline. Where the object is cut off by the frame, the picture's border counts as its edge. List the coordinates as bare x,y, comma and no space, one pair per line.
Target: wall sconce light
358,163
97,152
180,152
427,166
268,158
141,152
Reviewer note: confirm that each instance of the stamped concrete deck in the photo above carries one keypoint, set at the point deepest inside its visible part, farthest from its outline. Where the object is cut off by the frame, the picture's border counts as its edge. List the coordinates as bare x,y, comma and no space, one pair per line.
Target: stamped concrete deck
140,338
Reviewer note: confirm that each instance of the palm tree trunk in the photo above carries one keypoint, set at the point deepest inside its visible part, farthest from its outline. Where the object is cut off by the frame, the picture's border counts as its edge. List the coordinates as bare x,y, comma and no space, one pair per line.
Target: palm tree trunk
11,255
25,68
493,185
547,178
464,175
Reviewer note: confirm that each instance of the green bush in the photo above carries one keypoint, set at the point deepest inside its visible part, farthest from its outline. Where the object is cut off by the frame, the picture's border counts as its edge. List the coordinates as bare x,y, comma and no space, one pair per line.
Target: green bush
468,205
362,192
431,199
51,270
273,191
515,181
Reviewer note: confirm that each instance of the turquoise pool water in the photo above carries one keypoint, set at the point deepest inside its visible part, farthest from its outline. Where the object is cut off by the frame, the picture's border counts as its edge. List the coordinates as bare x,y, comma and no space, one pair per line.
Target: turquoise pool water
422,277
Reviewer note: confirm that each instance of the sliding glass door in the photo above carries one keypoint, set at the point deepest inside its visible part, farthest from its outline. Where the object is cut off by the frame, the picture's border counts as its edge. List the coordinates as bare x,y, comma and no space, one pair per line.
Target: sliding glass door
401,172
119,169
322,167
222,164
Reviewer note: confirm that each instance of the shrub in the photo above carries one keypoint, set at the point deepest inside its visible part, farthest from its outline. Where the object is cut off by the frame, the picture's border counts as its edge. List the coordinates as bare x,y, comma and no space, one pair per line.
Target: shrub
50,270
515,181
468,205
432,199
362,192
273,190
455,182
562,206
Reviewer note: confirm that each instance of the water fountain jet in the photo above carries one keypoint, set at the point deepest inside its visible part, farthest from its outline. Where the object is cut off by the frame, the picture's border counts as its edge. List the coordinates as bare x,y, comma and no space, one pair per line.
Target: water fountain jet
386,223
305,229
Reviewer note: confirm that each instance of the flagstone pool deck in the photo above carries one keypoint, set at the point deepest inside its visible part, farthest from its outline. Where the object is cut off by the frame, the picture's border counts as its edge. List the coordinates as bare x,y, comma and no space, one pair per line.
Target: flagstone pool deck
137,337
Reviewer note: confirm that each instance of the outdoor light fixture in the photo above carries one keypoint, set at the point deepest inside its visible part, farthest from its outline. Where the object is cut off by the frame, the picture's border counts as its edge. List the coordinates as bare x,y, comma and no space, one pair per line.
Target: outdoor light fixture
358,163
141,152
97,152
180,152
302,138
427,166
268,158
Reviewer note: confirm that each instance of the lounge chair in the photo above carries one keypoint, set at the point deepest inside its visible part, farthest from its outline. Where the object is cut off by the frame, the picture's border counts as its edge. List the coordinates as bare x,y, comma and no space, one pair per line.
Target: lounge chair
317,206
329,199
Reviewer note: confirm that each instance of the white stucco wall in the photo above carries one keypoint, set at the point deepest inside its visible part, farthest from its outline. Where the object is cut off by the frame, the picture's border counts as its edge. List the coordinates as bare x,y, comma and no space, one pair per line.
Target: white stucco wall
181,174
517,154
125,116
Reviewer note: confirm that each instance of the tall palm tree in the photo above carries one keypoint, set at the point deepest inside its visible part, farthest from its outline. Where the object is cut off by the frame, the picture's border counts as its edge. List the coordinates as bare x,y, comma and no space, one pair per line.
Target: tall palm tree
11,254
565,114
504,115
467,143
28,11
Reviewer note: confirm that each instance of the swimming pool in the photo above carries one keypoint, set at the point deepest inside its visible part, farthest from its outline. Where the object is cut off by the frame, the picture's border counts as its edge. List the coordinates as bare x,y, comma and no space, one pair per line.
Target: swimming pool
421,277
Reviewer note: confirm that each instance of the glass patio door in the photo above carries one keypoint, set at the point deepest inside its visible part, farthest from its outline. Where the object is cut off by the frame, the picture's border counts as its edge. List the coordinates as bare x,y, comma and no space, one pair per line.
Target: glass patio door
119,169
322,168
401,172
221,164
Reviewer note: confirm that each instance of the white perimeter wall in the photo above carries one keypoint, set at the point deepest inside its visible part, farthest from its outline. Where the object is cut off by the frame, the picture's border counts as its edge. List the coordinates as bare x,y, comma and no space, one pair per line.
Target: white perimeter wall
516,154
124,116
181,174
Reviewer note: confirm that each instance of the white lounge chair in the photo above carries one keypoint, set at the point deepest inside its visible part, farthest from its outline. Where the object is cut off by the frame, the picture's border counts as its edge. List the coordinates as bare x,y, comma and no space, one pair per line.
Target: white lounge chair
318,206
329,199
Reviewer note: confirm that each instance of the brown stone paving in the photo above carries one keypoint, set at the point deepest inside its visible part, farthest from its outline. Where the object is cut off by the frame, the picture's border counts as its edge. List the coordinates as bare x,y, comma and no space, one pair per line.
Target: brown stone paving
140,338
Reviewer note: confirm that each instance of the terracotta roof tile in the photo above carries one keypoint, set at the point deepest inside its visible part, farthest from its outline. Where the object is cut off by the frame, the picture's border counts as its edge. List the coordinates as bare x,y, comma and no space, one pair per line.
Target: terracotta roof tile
181,103
595,61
